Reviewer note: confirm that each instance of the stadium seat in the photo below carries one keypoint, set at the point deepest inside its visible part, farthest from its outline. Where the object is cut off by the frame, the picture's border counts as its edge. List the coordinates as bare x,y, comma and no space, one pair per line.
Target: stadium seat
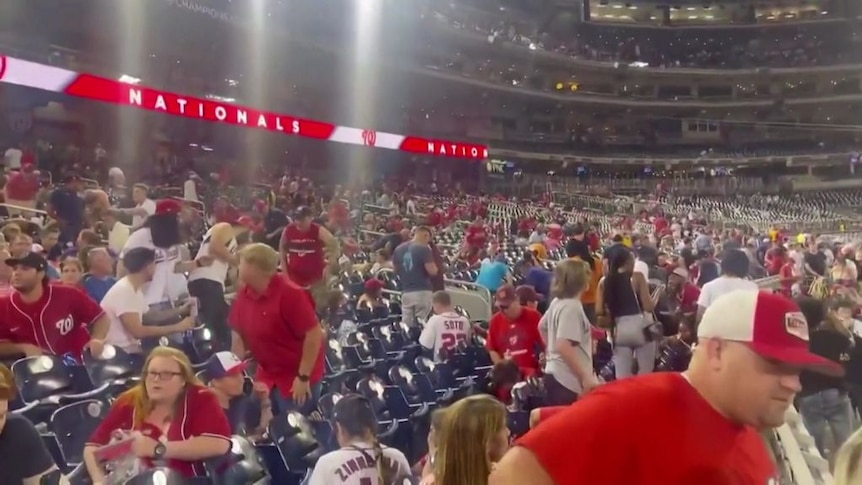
73,424
326,404
158,476
115,367
294,437
45,383
242,464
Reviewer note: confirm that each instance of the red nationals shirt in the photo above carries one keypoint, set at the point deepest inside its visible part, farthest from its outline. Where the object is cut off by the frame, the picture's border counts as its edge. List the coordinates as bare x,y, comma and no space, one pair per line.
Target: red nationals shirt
273,325
519,337
476,236
663,406
22,186
57,323
199,414
305,258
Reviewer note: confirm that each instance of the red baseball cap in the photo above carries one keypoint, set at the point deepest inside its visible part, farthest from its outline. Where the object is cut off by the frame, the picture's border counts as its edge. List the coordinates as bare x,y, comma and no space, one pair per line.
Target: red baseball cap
373,284
168,206
505,296
771,325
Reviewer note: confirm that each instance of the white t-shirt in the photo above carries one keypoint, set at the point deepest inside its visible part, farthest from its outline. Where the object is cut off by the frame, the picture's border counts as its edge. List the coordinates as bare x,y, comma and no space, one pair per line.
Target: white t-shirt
190,190
148,205
642,268
118,236
123,299
722,286
355,466
444,331
12,158
566,320
166,286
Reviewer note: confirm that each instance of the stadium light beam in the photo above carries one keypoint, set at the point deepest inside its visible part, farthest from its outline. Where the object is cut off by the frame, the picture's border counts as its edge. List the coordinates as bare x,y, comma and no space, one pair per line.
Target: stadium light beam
363,77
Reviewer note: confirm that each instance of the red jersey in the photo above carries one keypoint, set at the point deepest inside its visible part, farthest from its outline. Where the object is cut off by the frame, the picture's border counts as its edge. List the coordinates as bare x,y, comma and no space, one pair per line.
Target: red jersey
477,236
520,338
305,258
435,219
688,297
22,186
273,326
199,415
57,323
663,406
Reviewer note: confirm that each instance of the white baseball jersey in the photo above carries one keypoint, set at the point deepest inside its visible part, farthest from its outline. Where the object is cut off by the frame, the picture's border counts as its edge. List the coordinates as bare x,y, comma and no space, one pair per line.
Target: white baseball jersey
444,331
354,465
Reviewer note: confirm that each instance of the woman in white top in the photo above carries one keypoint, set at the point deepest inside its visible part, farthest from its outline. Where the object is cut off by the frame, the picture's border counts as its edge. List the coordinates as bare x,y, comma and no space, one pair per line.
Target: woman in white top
361,459
207,283
566,332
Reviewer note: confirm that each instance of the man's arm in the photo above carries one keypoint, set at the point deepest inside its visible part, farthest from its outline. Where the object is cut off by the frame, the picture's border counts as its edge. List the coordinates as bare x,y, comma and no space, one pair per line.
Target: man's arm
133,323
428,259
330,243
99,329
283,248
310,348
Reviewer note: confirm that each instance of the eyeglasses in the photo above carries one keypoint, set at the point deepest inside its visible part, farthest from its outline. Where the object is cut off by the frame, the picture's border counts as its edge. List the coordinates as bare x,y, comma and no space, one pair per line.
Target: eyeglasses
165,375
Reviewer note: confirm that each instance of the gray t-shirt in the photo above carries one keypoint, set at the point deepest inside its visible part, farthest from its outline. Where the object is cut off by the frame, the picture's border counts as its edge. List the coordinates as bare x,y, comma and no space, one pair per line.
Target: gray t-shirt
565,319
409,260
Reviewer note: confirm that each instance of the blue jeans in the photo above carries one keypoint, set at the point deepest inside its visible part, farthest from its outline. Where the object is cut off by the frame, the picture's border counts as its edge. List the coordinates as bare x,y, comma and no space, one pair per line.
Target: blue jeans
827,408
282,404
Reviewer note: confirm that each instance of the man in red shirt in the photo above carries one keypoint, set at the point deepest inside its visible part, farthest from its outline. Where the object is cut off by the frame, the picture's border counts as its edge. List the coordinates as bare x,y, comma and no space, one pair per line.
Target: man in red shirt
39,318
274,320
513,332
21,189
305,246
743,377
476,238
685,291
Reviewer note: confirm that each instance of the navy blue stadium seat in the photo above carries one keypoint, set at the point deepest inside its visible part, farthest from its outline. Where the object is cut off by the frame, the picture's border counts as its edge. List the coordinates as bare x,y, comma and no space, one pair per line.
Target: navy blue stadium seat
45,383
294,437
73,424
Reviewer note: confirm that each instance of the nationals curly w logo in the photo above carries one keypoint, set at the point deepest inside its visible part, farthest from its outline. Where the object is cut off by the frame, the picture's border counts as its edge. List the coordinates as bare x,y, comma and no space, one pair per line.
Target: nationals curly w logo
369,137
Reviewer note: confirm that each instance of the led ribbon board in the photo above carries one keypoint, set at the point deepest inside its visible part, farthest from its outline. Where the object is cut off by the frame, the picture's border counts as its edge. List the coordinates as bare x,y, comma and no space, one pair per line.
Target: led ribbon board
88,86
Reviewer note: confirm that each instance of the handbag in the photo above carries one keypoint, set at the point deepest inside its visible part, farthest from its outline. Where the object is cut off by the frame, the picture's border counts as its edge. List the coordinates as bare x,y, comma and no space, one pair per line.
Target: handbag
653,329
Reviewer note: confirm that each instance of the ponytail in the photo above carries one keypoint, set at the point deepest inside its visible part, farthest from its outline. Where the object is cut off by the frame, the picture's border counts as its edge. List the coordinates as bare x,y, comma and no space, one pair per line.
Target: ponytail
385,471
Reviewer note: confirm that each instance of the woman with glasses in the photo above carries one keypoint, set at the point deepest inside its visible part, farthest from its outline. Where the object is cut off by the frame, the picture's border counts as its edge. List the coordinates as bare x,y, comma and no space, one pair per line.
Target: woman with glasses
172,419
361,459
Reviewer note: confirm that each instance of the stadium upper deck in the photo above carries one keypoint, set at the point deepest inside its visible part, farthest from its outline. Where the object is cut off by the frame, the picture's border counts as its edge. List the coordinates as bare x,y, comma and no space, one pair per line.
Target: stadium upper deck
498,93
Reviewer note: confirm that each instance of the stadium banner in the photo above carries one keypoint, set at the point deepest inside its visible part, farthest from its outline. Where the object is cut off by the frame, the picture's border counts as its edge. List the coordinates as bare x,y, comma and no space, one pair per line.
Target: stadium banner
202,9
97,88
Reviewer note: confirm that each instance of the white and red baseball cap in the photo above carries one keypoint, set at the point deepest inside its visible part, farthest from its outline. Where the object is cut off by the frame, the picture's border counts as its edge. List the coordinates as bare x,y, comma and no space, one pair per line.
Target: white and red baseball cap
771,325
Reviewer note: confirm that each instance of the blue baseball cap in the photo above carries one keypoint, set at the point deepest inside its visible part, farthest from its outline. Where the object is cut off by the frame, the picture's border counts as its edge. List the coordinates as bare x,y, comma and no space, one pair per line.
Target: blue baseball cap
223,364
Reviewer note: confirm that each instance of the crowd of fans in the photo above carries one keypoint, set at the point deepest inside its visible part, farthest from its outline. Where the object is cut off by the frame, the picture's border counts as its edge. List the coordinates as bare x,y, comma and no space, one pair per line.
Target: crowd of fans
242,319
800,45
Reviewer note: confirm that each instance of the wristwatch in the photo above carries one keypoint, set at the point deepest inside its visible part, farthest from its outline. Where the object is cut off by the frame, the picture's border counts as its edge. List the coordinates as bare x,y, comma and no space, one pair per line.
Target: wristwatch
159,451
303,377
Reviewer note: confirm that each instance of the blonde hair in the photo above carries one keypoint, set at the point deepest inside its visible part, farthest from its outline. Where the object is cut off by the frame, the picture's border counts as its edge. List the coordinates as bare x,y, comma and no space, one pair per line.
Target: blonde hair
260,255
571,278
8,388
848,461
459,460
137,395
